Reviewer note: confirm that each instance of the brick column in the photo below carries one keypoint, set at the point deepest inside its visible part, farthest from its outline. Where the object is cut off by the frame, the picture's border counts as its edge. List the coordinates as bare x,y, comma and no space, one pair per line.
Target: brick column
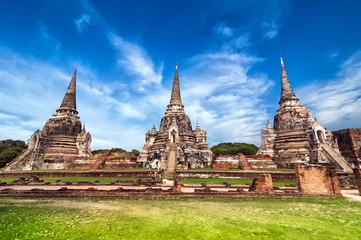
262,183
317,179
244,162
357,173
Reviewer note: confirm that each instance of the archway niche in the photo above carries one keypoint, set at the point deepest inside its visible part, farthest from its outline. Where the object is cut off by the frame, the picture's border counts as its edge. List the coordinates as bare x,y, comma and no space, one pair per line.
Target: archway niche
321,136
173,137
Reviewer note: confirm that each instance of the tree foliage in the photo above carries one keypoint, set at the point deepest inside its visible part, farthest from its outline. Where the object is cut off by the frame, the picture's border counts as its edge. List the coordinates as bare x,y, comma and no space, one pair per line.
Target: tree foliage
9,143
10,149
135,152
234,148
117,150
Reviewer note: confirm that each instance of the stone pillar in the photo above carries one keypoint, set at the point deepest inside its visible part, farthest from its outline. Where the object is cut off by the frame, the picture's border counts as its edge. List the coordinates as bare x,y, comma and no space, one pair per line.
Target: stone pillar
177,187
357,172
172,162
244,162
262,183
317,179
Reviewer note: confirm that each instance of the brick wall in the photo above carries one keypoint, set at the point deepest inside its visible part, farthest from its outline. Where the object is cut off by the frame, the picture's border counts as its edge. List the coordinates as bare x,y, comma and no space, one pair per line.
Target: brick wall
349,143
261,161
223,165
357,173
225,162
316,179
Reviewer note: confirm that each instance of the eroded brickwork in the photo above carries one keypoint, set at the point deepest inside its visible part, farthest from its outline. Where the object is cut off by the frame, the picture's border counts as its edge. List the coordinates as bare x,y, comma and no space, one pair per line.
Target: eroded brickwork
357,173
261,161
244,162
262,183
316,179
349,143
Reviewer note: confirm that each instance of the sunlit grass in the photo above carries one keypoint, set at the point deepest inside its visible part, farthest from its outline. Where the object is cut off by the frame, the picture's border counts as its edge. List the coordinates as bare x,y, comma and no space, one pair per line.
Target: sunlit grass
179,219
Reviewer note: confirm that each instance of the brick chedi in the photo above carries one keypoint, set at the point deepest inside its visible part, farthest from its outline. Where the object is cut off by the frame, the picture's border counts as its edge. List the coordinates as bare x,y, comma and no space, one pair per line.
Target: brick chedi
61,140
192,149
268,135
296,137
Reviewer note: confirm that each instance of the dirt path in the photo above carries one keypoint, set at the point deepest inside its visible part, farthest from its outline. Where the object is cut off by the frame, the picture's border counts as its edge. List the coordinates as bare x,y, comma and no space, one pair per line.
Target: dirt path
353,194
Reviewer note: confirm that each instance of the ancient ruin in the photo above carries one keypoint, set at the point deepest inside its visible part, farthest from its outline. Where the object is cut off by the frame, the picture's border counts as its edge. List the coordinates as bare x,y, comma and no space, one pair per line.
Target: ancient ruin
268,135
317,179
176,132
349,142
62,139
297,138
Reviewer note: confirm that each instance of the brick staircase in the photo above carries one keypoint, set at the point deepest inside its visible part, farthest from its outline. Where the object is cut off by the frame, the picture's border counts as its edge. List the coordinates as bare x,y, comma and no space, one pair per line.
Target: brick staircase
336,157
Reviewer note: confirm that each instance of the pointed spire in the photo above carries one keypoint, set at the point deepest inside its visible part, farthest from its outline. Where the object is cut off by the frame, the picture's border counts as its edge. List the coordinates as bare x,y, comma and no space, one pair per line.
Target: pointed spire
83,130
269,125
286,89
69,100
198,127
175,98
153,128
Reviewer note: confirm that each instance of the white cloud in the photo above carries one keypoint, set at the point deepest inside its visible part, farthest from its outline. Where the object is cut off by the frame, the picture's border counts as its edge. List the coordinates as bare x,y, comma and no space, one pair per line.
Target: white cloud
137,63
224,30
32,90
278,11
47,39
82,22
219,90
336,102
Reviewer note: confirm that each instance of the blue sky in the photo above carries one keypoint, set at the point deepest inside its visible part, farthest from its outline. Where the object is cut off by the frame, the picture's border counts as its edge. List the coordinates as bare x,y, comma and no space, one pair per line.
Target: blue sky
227,52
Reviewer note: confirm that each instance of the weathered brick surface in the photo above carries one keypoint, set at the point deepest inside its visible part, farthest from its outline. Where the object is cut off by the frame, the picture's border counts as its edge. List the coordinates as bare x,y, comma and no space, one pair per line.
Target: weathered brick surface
316,179
244,162
223,165
226,162
262,183
349,143
151,193
276,176
357,173
261,161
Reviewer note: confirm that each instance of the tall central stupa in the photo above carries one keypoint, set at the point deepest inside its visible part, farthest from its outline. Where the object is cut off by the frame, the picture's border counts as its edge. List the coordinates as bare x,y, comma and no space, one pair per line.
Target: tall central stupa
192,150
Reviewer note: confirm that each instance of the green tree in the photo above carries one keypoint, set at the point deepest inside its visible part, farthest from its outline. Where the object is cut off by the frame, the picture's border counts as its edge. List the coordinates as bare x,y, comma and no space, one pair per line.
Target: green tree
8,155
135,152
9,143
234,148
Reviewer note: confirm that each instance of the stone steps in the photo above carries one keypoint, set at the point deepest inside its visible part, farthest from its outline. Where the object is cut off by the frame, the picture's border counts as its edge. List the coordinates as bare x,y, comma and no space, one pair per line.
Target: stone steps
336,157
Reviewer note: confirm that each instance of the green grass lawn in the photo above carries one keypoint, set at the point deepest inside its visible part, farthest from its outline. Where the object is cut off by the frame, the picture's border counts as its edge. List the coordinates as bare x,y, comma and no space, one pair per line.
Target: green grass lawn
25,218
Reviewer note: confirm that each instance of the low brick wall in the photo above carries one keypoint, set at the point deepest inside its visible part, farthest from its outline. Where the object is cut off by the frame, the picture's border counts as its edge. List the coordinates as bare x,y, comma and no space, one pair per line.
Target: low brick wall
276,176
56,174
316,179
148,194
223,165
261,161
